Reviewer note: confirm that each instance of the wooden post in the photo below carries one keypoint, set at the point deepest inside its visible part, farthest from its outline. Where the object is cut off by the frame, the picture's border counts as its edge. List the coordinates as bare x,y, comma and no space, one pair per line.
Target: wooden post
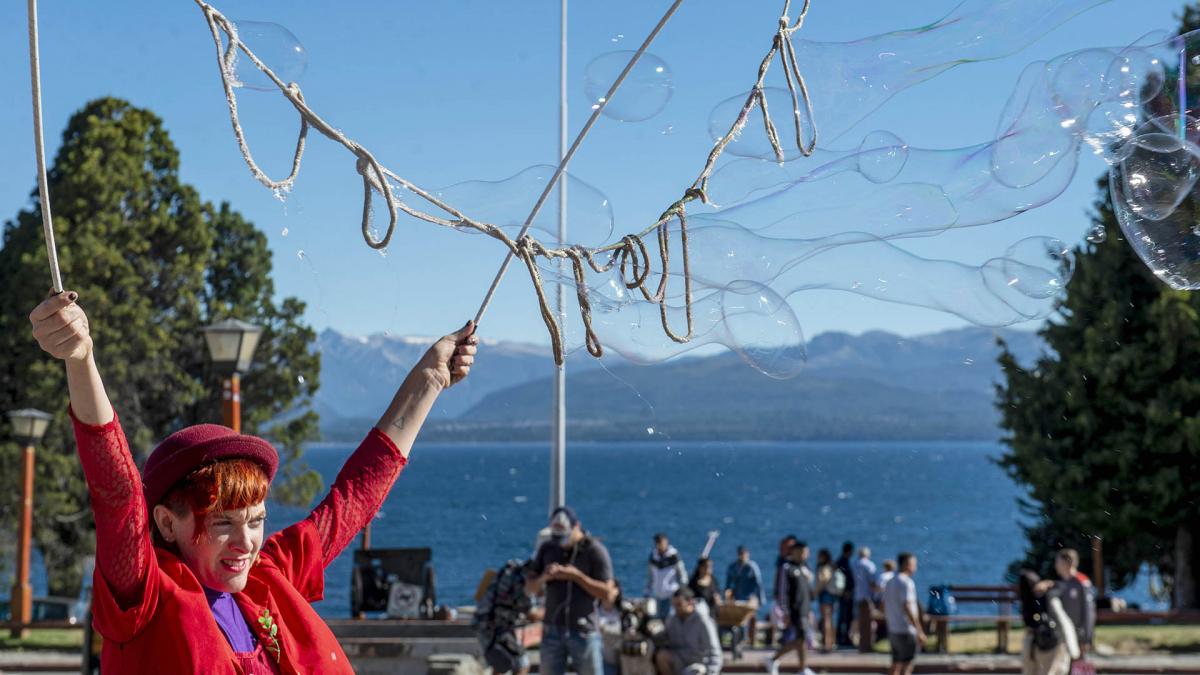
231,408
21,603
1098,565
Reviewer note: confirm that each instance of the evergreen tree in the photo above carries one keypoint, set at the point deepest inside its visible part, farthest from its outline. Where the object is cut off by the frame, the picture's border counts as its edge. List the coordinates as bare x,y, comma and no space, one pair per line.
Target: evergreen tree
152,263
1104,430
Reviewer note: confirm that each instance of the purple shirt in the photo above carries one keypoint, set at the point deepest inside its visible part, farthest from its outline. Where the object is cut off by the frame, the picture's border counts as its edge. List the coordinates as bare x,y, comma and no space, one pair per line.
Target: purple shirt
231,621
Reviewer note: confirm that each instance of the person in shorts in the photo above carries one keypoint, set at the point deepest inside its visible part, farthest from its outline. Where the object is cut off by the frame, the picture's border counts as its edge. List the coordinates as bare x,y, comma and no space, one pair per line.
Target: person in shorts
797,596
900,605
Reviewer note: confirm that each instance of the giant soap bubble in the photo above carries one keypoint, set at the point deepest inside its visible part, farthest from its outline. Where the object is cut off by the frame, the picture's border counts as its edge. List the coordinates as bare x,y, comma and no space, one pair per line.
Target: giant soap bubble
643,94
507,203
276,47
745,316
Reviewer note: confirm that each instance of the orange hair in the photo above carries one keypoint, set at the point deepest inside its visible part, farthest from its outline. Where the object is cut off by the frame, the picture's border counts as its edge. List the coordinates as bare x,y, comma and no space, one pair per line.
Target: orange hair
223,485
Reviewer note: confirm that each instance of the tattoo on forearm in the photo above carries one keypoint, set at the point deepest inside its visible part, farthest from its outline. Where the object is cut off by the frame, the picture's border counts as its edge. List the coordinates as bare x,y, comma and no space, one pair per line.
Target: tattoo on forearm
399,423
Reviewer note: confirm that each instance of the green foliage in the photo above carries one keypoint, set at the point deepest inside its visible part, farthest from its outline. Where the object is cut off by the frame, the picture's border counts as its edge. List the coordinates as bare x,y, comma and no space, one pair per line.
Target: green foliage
152,264
1103,429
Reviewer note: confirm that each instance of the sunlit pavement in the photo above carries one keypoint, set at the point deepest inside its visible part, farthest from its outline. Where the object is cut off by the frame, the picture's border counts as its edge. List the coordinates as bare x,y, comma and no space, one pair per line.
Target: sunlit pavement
754,661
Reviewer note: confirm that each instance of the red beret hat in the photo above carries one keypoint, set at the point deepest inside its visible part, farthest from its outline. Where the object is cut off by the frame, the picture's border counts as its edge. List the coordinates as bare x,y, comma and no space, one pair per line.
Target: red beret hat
194,446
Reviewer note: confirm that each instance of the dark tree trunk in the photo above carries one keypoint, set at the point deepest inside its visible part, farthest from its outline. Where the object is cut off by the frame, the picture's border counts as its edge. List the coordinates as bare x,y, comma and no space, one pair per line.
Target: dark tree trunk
1187,572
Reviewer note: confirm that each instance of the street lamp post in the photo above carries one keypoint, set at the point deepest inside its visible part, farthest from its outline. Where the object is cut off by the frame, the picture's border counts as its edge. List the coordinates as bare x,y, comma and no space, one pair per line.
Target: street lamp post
231,344
28,427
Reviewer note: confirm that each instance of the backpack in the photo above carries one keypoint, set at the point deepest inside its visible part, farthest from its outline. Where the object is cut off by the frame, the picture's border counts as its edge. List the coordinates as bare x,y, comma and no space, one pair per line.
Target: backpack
941,601
838,583
505,599
1045,633
496,617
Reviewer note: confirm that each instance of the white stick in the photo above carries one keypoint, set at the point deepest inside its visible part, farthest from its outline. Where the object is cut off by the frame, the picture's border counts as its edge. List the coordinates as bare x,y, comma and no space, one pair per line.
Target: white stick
43,188
597,109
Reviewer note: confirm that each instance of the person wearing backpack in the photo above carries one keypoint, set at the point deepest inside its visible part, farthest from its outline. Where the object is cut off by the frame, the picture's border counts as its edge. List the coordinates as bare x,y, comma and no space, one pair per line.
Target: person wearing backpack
503,607
796,597
1050,638
831,583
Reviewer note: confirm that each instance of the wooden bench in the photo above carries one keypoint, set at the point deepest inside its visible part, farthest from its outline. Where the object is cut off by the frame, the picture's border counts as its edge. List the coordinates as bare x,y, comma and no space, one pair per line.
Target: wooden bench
1002,596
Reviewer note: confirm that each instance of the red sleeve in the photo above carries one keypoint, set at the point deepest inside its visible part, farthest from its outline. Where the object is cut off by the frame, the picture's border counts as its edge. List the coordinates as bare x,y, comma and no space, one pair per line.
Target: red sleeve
296,553
123,548
357,493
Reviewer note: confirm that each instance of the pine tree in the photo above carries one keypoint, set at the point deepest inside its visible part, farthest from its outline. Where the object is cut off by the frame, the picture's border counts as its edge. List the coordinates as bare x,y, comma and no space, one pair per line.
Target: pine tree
152,263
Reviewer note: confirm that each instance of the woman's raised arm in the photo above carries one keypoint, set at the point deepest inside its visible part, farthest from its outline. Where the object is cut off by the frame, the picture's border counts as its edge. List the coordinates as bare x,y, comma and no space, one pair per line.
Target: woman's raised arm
122,537
61,329
368,475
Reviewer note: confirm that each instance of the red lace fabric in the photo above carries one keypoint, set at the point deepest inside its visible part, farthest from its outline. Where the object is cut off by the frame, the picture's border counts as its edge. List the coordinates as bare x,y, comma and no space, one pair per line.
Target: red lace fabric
123,548
357,493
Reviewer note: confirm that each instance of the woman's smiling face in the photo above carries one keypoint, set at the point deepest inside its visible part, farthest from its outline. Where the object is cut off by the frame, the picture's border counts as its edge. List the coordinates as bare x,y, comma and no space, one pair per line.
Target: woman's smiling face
222,555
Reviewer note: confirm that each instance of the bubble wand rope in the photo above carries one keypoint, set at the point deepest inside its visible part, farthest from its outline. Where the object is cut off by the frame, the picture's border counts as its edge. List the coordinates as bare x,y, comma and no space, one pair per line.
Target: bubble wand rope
630,251
35,73
566,159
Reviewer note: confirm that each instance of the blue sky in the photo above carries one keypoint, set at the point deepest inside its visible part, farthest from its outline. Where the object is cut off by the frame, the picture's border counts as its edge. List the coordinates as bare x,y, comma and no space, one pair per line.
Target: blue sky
449,91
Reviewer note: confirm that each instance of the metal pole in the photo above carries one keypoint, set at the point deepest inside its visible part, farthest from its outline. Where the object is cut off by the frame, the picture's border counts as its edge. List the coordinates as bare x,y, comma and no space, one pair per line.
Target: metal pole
232,402
558,457
21,605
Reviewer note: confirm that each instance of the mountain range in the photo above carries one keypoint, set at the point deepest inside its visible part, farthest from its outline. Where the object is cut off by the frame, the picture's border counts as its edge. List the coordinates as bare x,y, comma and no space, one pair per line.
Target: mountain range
876,385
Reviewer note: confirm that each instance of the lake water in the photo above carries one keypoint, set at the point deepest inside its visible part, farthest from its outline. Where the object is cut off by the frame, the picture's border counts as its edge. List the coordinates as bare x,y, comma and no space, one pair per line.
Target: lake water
477,505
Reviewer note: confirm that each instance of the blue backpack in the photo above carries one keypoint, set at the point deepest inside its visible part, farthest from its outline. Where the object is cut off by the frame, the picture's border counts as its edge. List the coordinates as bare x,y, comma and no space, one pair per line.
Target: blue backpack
941,602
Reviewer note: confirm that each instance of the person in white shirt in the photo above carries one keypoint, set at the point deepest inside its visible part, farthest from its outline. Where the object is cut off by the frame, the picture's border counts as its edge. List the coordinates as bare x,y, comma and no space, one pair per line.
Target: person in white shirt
900,606
864,594
889,571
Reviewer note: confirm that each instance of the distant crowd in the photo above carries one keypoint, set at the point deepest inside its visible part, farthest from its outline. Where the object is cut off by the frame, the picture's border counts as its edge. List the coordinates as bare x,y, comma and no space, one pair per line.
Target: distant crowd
847,602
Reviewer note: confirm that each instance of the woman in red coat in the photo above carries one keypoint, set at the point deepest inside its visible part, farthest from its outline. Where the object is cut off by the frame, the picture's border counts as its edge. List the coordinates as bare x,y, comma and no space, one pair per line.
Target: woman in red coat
186,580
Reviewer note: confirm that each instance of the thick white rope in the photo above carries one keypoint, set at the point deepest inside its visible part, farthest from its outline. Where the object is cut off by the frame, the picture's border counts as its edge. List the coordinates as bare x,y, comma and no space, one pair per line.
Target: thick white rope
35,73
631,251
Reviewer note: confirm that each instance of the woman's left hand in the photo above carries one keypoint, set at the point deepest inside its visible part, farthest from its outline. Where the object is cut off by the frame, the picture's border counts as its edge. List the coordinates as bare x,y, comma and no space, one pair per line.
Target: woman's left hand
449,360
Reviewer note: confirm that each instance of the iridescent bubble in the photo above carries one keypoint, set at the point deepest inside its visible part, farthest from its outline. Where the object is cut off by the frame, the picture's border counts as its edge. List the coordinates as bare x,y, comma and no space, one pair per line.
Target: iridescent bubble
1038,267
643,94
1158,171
751,140
745,316
276,47
508,202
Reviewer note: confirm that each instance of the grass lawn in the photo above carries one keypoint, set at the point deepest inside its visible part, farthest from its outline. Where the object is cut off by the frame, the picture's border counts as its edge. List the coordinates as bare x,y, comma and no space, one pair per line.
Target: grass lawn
1109,639
44,638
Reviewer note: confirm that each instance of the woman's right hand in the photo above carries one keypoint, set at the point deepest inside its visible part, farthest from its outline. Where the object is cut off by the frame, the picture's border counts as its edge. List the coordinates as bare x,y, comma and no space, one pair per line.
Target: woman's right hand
61,328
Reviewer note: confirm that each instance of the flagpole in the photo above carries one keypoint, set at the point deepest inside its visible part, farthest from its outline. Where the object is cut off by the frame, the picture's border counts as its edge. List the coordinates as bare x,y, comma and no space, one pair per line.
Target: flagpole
558,456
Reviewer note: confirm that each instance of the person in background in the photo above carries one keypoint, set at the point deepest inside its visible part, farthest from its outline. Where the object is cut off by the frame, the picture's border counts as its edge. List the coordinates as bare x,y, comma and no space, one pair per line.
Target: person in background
504,607
666,574
612,631
704,585
845,604
1046,649
576,572
889,571
904,625
779,610
1078,596
827,596
796,596
692,644
743,583
864,593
